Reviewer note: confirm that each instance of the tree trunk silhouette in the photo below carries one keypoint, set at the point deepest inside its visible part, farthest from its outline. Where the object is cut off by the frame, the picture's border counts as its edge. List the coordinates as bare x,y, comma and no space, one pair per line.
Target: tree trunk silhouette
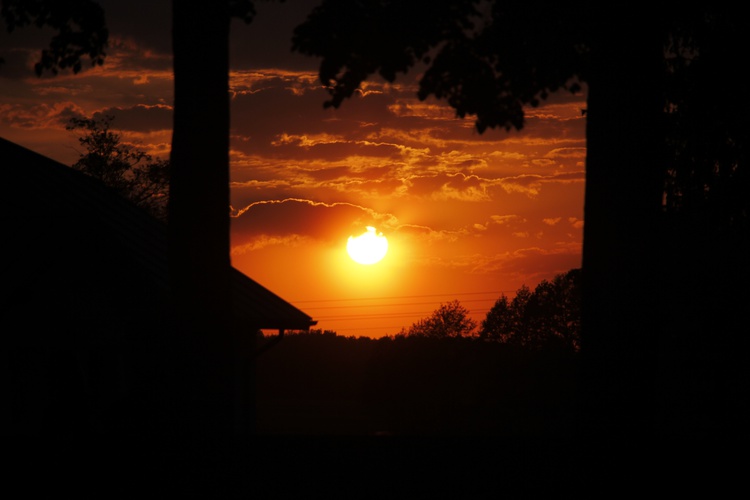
622,208
199,218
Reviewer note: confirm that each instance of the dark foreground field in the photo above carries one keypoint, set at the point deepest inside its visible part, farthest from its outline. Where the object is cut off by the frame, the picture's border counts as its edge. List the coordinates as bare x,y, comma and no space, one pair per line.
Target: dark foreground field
357,418
329,385
378,467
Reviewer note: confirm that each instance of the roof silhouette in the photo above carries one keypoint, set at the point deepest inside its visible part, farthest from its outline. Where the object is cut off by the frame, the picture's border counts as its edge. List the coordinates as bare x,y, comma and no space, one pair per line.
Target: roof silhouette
49,207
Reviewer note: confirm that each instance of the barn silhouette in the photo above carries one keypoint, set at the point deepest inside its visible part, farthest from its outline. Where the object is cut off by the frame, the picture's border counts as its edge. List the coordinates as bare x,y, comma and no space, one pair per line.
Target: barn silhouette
86,305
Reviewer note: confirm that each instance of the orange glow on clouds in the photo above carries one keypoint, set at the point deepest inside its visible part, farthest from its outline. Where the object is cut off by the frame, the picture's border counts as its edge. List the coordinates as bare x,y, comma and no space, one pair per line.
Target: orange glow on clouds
467,216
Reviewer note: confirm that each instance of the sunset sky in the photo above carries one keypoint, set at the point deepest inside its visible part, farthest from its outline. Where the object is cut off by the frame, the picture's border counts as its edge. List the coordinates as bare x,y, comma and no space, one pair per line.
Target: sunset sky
468,217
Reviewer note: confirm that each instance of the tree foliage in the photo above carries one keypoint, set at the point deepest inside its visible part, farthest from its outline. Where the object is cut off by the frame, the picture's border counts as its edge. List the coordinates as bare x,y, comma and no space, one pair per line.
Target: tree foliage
202,385
131,172
80,25
551,314
707,175
487,59
450,320
491,60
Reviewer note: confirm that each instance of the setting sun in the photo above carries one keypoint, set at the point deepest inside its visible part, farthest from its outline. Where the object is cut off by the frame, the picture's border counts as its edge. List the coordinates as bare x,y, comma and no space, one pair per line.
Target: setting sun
463,213
368,248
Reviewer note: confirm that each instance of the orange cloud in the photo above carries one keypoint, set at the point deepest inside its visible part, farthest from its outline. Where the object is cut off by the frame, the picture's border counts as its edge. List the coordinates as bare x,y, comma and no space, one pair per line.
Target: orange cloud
305,218
40,116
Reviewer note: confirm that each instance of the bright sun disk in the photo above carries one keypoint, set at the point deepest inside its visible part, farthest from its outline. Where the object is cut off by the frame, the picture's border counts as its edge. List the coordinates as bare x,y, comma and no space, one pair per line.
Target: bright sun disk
368,248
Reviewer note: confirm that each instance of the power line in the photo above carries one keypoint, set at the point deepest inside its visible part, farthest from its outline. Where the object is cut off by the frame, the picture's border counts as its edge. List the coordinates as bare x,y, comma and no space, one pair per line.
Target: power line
393,304
338,314
386,315
404,296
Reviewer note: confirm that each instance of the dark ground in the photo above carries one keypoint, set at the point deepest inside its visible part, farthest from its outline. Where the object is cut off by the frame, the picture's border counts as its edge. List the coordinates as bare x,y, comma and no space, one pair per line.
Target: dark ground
354,419
371,467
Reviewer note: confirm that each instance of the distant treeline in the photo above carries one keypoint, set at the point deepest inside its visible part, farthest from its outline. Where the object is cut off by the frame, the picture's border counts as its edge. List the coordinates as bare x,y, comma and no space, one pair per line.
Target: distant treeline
515,374
548,316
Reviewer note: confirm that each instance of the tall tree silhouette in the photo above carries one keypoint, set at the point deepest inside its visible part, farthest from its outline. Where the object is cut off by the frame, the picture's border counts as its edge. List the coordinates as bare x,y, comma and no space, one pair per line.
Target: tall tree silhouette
707,207
200,389
199,212
489,60
622,209
199,215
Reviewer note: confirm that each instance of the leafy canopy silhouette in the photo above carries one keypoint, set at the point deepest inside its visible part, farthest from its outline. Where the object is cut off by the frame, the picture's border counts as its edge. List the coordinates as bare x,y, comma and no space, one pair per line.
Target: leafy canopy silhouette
131,172
482,58
450,320
202,393
551,314
491,58
81,31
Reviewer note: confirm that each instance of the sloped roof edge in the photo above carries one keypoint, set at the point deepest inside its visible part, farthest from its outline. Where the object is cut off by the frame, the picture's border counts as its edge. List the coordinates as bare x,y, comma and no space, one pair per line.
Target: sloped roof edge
37,185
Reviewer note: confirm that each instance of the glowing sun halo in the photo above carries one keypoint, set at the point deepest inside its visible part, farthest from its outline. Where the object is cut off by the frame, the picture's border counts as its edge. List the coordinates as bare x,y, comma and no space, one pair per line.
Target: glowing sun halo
367,248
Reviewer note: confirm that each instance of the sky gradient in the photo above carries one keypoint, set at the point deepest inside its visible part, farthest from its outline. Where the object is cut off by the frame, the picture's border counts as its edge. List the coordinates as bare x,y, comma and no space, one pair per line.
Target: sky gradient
468,217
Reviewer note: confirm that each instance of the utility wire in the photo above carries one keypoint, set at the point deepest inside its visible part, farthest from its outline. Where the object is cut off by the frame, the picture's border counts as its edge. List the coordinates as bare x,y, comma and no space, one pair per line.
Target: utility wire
338,313
404,296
